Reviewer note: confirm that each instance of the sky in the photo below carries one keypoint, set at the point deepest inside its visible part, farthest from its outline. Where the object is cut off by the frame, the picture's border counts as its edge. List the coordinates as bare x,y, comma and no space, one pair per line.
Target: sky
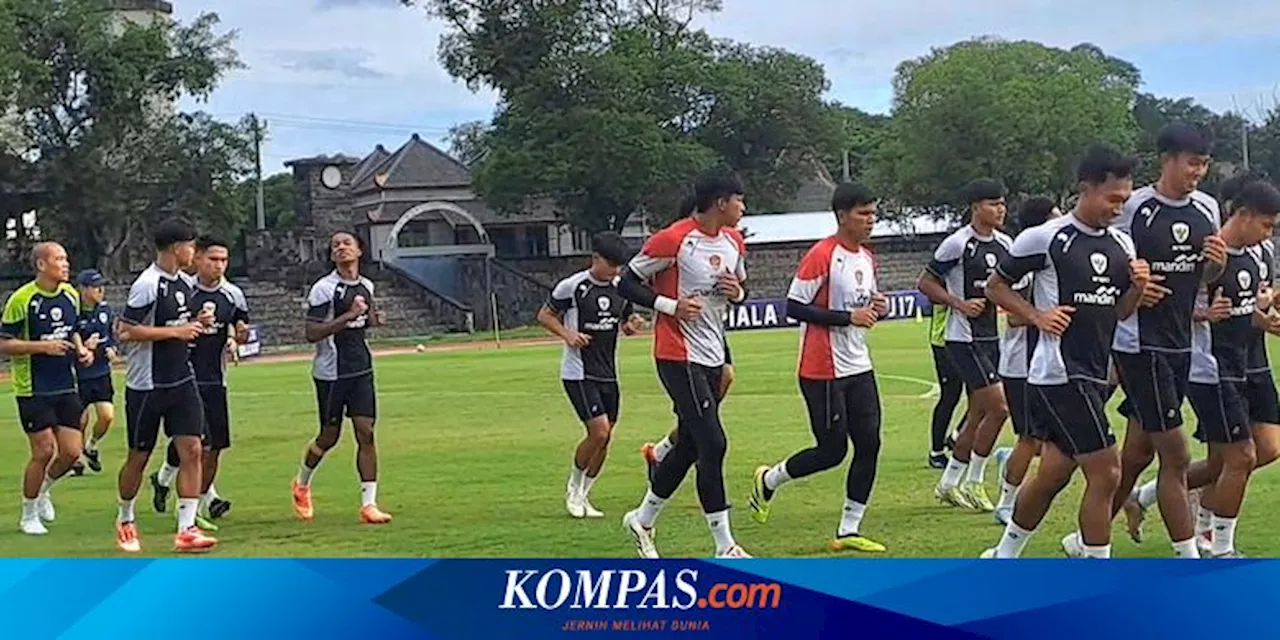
334,76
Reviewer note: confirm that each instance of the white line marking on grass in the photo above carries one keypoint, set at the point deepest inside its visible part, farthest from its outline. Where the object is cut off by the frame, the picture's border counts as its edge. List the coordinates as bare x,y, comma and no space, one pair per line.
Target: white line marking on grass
934,389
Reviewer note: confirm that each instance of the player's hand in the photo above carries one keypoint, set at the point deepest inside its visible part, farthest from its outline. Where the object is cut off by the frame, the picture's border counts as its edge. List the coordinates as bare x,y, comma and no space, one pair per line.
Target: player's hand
635,324
1265,298
379,317
729,285
865,317
1215,250
1154,292
577,340
358,307
242,332
1273,323
689,308
85,356
1219,308
188,332
1054,321
113,356
972,308
56,347
1139,273
880,303
205,317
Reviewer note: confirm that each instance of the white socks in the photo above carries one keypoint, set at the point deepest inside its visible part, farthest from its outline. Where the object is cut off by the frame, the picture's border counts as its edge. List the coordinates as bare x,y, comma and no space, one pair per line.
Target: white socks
166,475
649,509
368,493
575,478
718,522
1186,549
663,447
587,483
851,518
1204,521
45,485
977,468
304,475
951,476
29,511
1146,495
1008,495
776,476
187,513
1224,535
1100,551
1013,541
126,510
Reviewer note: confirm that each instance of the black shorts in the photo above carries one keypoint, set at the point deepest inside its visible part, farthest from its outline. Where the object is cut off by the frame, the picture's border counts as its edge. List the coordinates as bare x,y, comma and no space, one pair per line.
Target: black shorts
217,418
1260,391
693,388
1155,384
847,404
1020,413
349,397
975,362
1222,411
592,399
95,390
178,408
1073,416
942,367
38,413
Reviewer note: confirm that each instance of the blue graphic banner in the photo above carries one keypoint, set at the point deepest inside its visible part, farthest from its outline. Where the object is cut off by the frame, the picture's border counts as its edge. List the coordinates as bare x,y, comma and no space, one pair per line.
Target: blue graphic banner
772,313
529,599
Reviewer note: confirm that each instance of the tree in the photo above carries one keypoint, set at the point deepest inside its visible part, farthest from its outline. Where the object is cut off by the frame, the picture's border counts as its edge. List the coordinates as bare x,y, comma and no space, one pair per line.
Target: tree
1019,112
1153,112
94,97
610,107
861,137
467,142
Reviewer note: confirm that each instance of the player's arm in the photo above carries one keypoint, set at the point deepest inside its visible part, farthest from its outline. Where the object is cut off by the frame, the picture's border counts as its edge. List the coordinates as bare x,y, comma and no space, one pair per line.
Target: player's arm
1140,282
551,315
135,322
319,303
12,325
1013,319
931,283
240,317
658,254
810,277
734,284
1029,254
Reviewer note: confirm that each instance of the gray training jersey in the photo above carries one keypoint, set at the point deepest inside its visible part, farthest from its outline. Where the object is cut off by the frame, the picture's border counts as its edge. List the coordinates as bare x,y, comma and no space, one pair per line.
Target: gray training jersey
159,299
346,353
963,262
596,309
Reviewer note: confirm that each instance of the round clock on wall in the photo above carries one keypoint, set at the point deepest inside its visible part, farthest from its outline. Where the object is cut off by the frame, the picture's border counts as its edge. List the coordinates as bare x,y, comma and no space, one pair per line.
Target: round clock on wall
331,177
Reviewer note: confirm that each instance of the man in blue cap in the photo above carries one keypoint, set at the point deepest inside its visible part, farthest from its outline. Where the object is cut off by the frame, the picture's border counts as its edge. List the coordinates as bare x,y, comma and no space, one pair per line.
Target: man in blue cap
97,393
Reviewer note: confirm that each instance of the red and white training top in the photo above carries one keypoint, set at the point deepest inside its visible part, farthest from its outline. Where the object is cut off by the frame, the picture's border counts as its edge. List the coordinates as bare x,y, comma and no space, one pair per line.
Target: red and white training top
681,260
832,277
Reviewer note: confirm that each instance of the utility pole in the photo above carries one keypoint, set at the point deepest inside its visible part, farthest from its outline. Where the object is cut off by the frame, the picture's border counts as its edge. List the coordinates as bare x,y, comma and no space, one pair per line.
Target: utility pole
846,165
257,161
1244,142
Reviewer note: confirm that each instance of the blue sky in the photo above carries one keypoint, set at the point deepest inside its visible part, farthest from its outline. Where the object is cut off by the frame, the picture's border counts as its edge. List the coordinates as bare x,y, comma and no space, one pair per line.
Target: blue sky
344,75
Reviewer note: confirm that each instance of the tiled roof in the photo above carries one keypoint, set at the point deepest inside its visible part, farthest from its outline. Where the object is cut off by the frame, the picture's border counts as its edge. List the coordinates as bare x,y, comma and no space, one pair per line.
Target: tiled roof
416,164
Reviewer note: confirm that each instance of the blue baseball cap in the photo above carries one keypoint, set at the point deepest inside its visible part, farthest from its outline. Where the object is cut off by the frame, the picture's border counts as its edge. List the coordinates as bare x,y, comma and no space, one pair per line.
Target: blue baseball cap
90,278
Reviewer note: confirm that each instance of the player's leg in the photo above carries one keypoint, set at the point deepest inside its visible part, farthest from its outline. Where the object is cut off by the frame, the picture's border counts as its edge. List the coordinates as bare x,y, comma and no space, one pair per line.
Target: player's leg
329,406
362,408
824,401
862,403
218,439
104,415
710,443
1170,373
995,411
654,452
1034,499
950,388
185,425
611,397
1141,403
1017,462
1231,446
584,396
162,480
1094,449
64,410
44,446
142,428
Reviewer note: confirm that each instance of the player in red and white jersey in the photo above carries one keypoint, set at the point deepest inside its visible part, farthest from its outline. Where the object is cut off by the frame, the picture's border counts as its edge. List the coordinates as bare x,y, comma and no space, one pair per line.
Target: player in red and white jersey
689,273
834,294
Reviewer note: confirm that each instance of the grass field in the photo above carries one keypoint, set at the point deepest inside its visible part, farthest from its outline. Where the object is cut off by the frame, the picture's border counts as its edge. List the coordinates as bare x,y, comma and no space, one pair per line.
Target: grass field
475,447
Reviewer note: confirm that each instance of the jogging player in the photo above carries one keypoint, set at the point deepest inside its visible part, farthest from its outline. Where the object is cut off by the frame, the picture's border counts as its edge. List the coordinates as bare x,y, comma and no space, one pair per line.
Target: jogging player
157,326
1246,392
213,293
696,268
1015,356
1174,228
37,332
97,392
950,388
835,295
1085,279
653,453
955,278
341,308
587,312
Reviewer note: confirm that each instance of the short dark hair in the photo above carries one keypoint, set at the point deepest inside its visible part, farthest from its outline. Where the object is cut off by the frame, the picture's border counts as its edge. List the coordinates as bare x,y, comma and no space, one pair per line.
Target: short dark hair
173,231
611,247
204,243
1230,188
1035,212
716,184
1180,137
1259,198
849,195
687,205
981,189
344,232
1102,162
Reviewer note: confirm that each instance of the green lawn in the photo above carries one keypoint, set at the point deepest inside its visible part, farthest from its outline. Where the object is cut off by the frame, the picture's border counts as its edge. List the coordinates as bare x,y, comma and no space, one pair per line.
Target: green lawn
476,445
